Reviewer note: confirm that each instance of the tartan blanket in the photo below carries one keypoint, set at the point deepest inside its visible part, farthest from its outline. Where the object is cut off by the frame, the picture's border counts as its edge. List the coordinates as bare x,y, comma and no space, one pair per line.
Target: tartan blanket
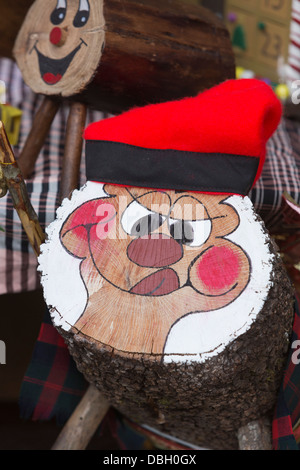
52,386
286,422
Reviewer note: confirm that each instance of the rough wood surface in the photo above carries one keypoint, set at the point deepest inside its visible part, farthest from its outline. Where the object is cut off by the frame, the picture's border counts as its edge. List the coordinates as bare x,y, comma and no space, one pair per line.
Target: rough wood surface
152,52
83,423
204,404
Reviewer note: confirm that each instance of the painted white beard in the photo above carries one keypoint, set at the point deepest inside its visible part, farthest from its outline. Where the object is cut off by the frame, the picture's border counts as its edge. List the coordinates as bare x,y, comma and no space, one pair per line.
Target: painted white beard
197,336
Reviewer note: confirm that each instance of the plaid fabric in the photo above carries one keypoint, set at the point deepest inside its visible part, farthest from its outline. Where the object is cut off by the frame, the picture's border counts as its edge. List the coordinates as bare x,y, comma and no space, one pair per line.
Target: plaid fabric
18,264
286,422
281,173
52,386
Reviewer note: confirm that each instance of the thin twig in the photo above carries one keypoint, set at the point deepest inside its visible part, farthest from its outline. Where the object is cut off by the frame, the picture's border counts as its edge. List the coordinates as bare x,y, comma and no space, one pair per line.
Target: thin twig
11,180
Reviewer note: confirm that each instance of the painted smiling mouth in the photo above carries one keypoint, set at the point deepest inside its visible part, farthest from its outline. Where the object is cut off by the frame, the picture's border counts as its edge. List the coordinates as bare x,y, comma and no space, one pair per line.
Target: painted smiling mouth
162,282
52,70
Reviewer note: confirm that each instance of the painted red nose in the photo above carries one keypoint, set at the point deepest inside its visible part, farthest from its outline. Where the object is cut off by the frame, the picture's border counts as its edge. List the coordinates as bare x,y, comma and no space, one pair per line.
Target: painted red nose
57,36
154,251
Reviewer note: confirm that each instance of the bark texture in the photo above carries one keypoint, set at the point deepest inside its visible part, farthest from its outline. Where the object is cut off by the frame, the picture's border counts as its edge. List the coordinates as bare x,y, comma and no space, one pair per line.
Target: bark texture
157,51
203,403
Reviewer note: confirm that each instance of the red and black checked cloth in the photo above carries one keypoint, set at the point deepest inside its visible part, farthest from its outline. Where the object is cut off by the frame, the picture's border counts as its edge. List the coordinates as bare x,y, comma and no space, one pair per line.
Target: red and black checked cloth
52,386
286,422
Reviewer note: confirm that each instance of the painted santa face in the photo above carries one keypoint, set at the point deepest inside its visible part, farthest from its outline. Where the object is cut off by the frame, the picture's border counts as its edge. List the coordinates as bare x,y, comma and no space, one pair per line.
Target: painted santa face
166,274
158,256
164,242
60,44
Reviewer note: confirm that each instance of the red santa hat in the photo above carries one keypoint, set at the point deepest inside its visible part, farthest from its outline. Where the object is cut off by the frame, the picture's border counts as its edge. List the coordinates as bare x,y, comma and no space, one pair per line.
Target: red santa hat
213,143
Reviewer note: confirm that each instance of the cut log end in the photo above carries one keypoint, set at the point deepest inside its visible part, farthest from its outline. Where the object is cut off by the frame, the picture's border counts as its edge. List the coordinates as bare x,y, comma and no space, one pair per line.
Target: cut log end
212,365
64,66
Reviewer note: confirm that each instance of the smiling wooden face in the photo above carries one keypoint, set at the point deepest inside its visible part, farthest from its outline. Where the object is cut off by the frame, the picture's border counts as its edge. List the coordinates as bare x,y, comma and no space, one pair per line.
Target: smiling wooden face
59,45
150,258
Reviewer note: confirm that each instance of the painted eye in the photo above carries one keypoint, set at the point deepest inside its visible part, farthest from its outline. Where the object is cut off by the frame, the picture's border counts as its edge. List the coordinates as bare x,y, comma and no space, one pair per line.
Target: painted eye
190,232
138,221
58,15
82,15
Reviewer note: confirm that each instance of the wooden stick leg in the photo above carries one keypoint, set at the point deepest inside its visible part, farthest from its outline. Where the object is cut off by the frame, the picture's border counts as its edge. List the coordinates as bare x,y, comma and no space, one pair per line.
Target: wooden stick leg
255,436
83,423
73,149
36,138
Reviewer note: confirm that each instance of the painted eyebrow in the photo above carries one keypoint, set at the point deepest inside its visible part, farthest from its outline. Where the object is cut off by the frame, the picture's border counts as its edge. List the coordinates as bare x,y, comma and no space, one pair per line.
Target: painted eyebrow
145,194
188,196
199,202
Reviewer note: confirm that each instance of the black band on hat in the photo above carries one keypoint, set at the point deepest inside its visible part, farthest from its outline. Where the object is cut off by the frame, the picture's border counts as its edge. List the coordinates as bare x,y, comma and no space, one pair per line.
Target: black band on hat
128,165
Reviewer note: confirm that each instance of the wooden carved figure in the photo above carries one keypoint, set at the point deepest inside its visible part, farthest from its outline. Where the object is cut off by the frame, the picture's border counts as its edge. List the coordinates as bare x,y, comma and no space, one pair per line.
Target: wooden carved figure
119,53
52,48
160,275
112,55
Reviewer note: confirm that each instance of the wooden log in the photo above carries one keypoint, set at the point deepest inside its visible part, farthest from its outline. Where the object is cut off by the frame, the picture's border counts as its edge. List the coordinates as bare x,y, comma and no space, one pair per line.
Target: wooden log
127,53
175,303
194,365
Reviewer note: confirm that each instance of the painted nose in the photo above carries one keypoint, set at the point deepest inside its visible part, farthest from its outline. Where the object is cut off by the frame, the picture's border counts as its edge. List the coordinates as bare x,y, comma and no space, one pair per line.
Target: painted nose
58,36
154,251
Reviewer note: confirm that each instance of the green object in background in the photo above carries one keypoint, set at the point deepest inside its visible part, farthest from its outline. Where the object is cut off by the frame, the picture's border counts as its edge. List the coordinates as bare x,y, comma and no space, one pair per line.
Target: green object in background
261,26
239,38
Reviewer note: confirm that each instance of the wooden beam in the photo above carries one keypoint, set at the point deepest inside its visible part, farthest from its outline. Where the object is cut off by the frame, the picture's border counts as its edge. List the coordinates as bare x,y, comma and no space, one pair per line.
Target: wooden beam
130,53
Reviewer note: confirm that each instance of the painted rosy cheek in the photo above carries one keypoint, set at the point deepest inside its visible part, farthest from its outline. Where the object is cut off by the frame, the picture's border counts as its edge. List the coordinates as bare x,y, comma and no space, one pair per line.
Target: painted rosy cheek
218,269
96,217
106,217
